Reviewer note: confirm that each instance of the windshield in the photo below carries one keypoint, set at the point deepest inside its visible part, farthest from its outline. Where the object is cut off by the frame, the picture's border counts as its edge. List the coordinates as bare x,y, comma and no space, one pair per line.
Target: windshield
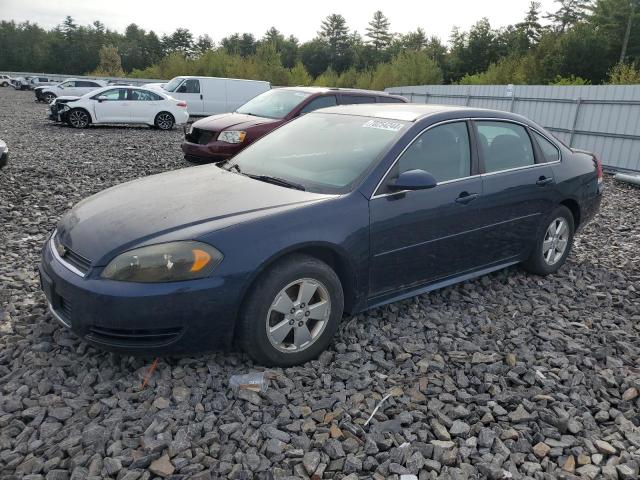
273,103
173,84
324,153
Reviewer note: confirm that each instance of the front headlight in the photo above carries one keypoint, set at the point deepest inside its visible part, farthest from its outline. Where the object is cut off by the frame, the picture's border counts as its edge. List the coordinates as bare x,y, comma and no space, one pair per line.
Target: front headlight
165,262
232,136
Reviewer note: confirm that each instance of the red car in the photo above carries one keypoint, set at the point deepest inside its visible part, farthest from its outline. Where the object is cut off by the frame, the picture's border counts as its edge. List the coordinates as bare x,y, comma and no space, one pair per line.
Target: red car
220,137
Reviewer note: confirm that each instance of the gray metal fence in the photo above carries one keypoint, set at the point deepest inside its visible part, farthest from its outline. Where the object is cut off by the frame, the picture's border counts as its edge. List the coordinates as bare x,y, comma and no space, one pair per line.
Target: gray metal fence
59,77
604,119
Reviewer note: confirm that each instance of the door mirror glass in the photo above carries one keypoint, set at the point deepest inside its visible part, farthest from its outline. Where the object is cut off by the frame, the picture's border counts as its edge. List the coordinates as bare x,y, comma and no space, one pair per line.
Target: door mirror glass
182,88
413,180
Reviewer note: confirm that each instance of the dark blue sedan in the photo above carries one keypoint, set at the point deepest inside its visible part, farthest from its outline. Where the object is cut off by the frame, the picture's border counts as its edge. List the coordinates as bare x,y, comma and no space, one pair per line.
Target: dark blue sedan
342,210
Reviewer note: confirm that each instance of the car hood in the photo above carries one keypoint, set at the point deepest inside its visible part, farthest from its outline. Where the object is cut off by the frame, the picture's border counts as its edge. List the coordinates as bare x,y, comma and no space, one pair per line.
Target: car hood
67,98
170,206
224,121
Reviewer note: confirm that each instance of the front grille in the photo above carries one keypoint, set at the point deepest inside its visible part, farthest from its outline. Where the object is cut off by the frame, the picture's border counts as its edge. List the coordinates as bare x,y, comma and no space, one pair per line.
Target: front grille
199,136
77,261
70,257
134,338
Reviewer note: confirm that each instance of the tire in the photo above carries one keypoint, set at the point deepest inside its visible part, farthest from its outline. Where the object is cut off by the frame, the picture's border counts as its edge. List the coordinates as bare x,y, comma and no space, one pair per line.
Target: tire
78,118
164,121
5,84
49,97
274,299
552,249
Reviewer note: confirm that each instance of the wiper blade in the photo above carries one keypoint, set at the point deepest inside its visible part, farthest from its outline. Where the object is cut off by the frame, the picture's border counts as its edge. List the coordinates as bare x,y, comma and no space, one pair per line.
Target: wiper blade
277,181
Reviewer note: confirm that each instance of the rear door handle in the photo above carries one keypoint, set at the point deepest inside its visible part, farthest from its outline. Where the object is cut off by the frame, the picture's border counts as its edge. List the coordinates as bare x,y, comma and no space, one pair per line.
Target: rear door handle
542,181
466,197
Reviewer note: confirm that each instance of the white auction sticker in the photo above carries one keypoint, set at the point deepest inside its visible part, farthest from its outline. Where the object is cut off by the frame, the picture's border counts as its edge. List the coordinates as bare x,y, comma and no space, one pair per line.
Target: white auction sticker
383,125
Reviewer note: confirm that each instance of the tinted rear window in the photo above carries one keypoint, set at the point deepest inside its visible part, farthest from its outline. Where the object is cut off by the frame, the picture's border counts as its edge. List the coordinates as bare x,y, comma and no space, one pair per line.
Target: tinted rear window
390,100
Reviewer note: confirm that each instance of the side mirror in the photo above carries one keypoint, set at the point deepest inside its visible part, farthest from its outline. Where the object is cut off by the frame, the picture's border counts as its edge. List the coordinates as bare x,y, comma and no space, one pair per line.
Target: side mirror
102,98
413,180
182,89
60,87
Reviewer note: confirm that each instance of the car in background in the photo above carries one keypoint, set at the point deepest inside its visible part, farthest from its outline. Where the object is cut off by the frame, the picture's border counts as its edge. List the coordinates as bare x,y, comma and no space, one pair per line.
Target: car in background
122,105
4,154
20,83
5,80
211,95
36,82
70,87
344,209
220,137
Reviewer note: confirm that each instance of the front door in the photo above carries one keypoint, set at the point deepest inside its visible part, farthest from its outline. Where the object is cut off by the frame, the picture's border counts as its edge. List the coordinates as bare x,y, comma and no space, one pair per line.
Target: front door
422,236
114,106
191,92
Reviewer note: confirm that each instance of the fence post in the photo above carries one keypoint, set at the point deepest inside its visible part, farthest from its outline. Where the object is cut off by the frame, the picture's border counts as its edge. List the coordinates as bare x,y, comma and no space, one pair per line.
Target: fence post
411,98
426,97
513,100
575,121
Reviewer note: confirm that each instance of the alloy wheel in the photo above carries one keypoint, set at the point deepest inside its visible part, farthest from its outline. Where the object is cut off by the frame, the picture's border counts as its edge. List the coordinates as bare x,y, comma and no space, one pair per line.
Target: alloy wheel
555,241
49,98
165,121
298,315
78,119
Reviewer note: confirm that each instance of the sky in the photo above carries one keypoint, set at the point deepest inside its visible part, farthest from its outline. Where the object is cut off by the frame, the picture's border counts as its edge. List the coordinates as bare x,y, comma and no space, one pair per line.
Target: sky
300,18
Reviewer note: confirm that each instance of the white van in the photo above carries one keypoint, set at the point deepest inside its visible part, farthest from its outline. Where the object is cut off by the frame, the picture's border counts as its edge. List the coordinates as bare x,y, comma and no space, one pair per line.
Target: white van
211,95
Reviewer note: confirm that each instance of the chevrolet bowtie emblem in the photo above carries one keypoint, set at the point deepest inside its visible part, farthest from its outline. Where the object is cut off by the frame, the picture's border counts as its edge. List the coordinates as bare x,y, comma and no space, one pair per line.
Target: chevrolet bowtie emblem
62,251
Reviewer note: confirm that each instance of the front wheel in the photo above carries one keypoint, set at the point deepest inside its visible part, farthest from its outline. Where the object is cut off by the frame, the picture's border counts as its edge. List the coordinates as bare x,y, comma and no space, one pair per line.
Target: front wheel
164,121
292,312
49,97
78,118
553,243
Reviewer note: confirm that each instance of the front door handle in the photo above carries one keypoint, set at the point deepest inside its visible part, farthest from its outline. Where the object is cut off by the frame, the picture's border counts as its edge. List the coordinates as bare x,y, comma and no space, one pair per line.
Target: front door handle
542,181
200,96
466,197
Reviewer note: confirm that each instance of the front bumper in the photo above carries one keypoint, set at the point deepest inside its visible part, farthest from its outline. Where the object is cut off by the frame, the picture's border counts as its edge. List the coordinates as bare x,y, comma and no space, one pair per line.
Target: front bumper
140,319
211,152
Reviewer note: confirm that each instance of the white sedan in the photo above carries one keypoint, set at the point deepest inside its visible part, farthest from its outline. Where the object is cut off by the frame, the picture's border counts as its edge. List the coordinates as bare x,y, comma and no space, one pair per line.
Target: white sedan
120,105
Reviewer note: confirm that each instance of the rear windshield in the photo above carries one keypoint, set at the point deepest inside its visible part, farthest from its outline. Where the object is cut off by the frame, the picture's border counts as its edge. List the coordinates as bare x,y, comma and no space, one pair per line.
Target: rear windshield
273,103
300,152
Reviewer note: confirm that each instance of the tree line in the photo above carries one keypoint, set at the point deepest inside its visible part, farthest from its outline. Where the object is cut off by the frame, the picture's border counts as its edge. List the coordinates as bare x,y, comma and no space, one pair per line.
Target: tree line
580,42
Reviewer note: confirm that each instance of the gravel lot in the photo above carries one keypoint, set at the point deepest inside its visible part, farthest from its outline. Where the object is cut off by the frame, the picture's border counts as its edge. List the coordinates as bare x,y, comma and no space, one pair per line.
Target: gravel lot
507,376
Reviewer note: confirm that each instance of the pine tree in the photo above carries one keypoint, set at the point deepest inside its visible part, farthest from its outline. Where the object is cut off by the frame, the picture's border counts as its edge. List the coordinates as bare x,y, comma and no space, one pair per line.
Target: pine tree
569,13
531,27
378,32
110,64
335,32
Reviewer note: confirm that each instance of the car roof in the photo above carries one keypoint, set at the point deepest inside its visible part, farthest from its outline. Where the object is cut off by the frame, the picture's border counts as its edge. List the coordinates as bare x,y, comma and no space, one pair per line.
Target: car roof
222,78
357,91
412,112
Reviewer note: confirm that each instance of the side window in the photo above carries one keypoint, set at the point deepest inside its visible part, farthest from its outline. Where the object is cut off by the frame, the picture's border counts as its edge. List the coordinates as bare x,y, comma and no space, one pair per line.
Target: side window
143,95
389,100
70,84
320,102
442,151
504,146
191,85
549,151
353,99
113,95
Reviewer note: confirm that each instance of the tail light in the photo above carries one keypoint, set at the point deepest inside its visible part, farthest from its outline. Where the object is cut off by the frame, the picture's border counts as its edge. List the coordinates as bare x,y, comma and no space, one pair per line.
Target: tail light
598,165
182,104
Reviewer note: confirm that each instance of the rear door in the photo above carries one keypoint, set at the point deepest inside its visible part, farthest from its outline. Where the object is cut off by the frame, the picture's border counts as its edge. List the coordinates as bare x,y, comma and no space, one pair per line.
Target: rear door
191,91
423,236
518,189
144,105
113,108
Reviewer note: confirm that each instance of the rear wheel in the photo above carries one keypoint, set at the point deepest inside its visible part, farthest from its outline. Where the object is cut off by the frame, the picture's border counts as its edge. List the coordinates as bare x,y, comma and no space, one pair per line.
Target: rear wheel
78,118
49,97
553,243
292,312
164,121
